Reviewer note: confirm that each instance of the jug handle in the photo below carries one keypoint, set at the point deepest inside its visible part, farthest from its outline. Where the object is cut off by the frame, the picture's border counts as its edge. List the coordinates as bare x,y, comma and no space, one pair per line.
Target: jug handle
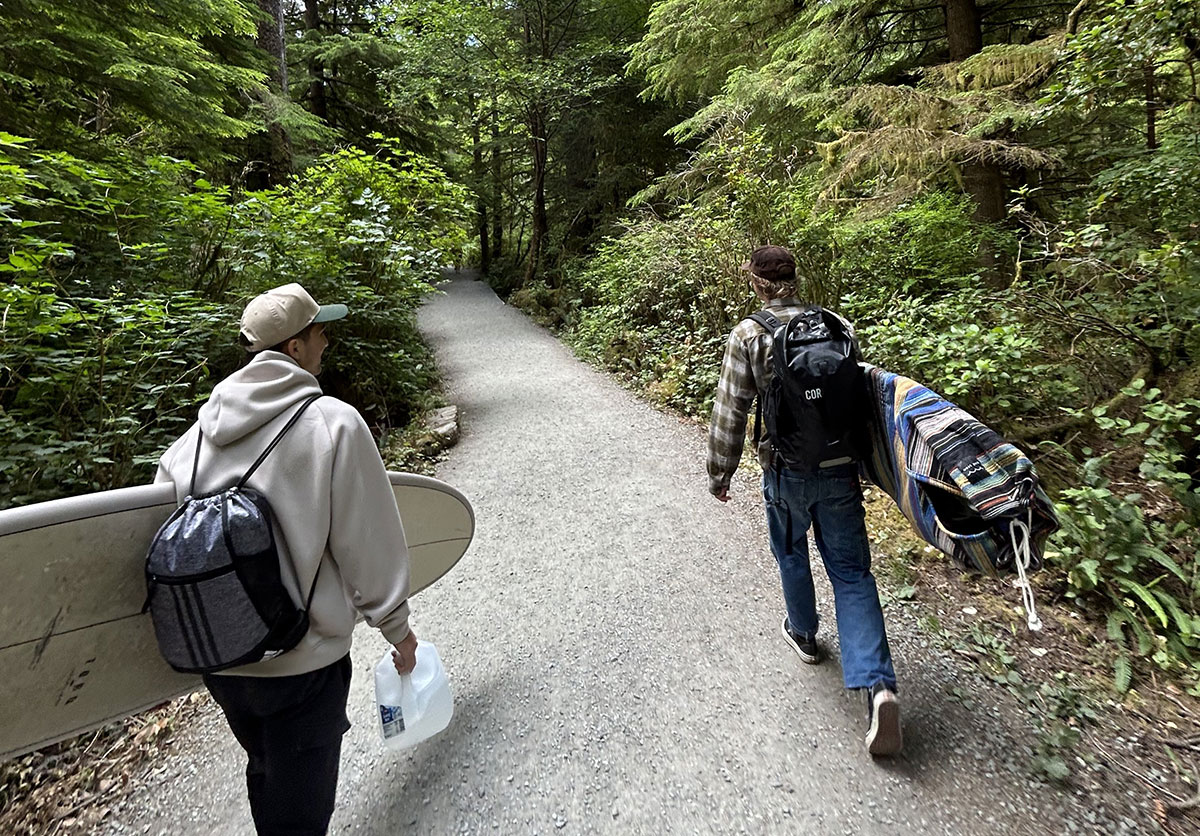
408,699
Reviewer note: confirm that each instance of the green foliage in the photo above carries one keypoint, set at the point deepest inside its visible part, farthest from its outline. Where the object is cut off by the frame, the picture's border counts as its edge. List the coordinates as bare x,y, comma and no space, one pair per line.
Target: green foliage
973,346
924,247
170,74
535,112
370,233
1059,710
659,303
125,222
350,219
93,390
1139,552
991,652
692,46
124,281
1109,57
344,64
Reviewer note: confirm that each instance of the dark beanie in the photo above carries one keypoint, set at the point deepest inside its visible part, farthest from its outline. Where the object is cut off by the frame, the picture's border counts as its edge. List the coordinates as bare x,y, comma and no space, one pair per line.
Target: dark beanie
775,264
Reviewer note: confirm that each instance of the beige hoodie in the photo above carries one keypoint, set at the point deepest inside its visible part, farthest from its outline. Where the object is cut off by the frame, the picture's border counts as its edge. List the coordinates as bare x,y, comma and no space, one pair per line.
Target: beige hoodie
331,498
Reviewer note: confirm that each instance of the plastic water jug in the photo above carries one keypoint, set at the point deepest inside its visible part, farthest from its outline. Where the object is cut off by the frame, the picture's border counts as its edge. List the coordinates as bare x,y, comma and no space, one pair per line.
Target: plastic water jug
415,706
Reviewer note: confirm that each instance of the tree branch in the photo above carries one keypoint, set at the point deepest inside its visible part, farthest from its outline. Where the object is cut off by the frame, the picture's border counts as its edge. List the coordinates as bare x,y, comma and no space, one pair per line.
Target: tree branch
1074,17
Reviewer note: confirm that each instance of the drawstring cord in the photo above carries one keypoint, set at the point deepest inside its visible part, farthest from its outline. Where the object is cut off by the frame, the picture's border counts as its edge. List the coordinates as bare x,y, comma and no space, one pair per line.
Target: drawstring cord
1019,531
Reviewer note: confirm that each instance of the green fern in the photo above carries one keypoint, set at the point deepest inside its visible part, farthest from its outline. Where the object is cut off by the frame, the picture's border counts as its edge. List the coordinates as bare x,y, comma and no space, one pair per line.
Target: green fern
1183,621
1117,618
1122,673
1162,559
1147,597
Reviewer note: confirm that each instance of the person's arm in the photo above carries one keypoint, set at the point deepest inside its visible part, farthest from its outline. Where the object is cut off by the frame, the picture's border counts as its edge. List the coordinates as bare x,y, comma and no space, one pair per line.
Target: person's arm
162,474
366,536
167,462
727,431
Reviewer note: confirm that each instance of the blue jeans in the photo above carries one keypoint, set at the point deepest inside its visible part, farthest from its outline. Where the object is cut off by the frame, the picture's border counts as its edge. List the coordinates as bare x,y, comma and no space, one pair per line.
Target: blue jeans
831,502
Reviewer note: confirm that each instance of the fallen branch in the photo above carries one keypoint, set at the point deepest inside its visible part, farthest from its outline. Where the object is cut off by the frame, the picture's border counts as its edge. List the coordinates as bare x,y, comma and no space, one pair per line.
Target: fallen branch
1188,744
1183,806
1145,780
1041,431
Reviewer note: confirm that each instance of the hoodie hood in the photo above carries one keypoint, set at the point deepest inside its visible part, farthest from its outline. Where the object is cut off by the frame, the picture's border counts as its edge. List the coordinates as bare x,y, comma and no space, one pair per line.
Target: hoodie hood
254,395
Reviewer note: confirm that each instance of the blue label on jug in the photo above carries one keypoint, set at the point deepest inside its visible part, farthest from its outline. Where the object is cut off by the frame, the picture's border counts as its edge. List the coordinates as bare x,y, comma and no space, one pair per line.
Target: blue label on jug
393,720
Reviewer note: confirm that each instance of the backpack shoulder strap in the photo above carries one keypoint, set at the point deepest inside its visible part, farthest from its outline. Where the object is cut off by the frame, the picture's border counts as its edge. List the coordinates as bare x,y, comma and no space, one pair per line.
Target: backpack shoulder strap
770,322
196,460
291,423
766,320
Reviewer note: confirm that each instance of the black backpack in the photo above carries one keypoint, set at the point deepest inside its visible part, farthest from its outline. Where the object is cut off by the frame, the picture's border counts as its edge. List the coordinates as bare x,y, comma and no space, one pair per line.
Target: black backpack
213,585
815,406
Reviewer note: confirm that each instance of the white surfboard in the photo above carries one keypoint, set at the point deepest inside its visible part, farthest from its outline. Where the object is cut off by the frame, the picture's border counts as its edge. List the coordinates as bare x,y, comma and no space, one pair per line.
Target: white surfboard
76,652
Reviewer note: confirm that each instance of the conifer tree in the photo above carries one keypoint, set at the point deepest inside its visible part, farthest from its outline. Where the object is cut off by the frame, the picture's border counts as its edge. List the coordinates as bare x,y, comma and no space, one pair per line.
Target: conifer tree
173,74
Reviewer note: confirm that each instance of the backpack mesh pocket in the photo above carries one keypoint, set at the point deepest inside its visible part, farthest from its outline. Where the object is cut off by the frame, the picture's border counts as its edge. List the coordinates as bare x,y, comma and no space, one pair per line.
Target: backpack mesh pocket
207,623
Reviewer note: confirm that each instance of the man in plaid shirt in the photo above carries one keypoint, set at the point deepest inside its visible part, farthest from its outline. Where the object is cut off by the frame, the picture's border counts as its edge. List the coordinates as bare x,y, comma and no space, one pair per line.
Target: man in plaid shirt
829,500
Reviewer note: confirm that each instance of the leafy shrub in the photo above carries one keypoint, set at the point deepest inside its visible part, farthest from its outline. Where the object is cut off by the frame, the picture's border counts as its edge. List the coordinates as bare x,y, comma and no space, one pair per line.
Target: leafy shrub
369,233
125,222
125,278
1139,551
658,303
970,346
92,390
928,246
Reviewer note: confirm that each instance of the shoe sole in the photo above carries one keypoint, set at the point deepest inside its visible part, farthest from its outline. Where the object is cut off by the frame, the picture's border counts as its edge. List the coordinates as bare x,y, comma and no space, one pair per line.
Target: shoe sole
806,658
884,738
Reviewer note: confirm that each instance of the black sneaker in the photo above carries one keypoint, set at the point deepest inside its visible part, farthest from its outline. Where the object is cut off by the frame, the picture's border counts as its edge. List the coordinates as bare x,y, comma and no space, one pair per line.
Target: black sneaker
805,646
883,720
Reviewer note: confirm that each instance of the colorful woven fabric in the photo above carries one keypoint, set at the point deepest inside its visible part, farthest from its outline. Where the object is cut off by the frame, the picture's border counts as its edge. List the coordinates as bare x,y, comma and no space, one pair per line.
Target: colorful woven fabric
958,482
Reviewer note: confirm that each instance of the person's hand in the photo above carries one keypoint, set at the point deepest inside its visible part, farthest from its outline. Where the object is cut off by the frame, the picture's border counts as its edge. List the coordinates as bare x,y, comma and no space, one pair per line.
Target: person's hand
404,654
723,496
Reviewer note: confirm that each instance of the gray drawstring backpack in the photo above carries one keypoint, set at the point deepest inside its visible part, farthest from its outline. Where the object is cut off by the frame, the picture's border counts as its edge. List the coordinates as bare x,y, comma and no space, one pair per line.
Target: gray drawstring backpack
213,584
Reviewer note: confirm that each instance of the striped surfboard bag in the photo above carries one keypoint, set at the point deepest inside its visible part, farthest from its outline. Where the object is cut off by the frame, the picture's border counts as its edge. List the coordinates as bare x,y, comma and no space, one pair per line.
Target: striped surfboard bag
965,490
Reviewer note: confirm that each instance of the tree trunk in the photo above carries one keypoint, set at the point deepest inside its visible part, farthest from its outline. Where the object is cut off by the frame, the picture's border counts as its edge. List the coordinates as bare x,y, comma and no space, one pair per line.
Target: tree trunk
540,226
317,104
984,181
485,252
271,151
497,188
964,29
985,184
1151,107
103,111
579,157
270,38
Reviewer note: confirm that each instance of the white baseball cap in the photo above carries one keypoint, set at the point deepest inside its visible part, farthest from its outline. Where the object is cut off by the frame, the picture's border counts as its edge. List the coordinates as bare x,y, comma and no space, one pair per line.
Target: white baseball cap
280,314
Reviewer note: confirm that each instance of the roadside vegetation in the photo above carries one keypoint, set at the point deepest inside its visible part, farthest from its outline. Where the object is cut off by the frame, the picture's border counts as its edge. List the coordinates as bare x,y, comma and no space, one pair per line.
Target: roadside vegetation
146,193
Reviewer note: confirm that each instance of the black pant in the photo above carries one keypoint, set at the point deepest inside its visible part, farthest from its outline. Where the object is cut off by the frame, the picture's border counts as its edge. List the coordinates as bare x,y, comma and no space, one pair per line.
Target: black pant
291,728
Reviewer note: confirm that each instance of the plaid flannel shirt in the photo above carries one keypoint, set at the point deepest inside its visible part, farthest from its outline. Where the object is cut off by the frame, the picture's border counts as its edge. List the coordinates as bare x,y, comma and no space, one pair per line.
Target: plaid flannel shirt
746,372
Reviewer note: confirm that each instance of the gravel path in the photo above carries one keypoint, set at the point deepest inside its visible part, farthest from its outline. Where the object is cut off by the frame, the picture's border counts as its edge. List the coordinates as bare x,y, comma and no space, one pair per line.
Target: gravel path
612,641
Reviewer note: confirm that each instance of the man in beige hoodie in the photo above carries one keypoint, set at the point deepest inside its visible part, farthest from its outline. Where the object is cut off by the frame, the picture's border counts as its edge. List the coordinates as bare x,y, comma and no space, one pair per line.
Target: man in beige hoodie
339,538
